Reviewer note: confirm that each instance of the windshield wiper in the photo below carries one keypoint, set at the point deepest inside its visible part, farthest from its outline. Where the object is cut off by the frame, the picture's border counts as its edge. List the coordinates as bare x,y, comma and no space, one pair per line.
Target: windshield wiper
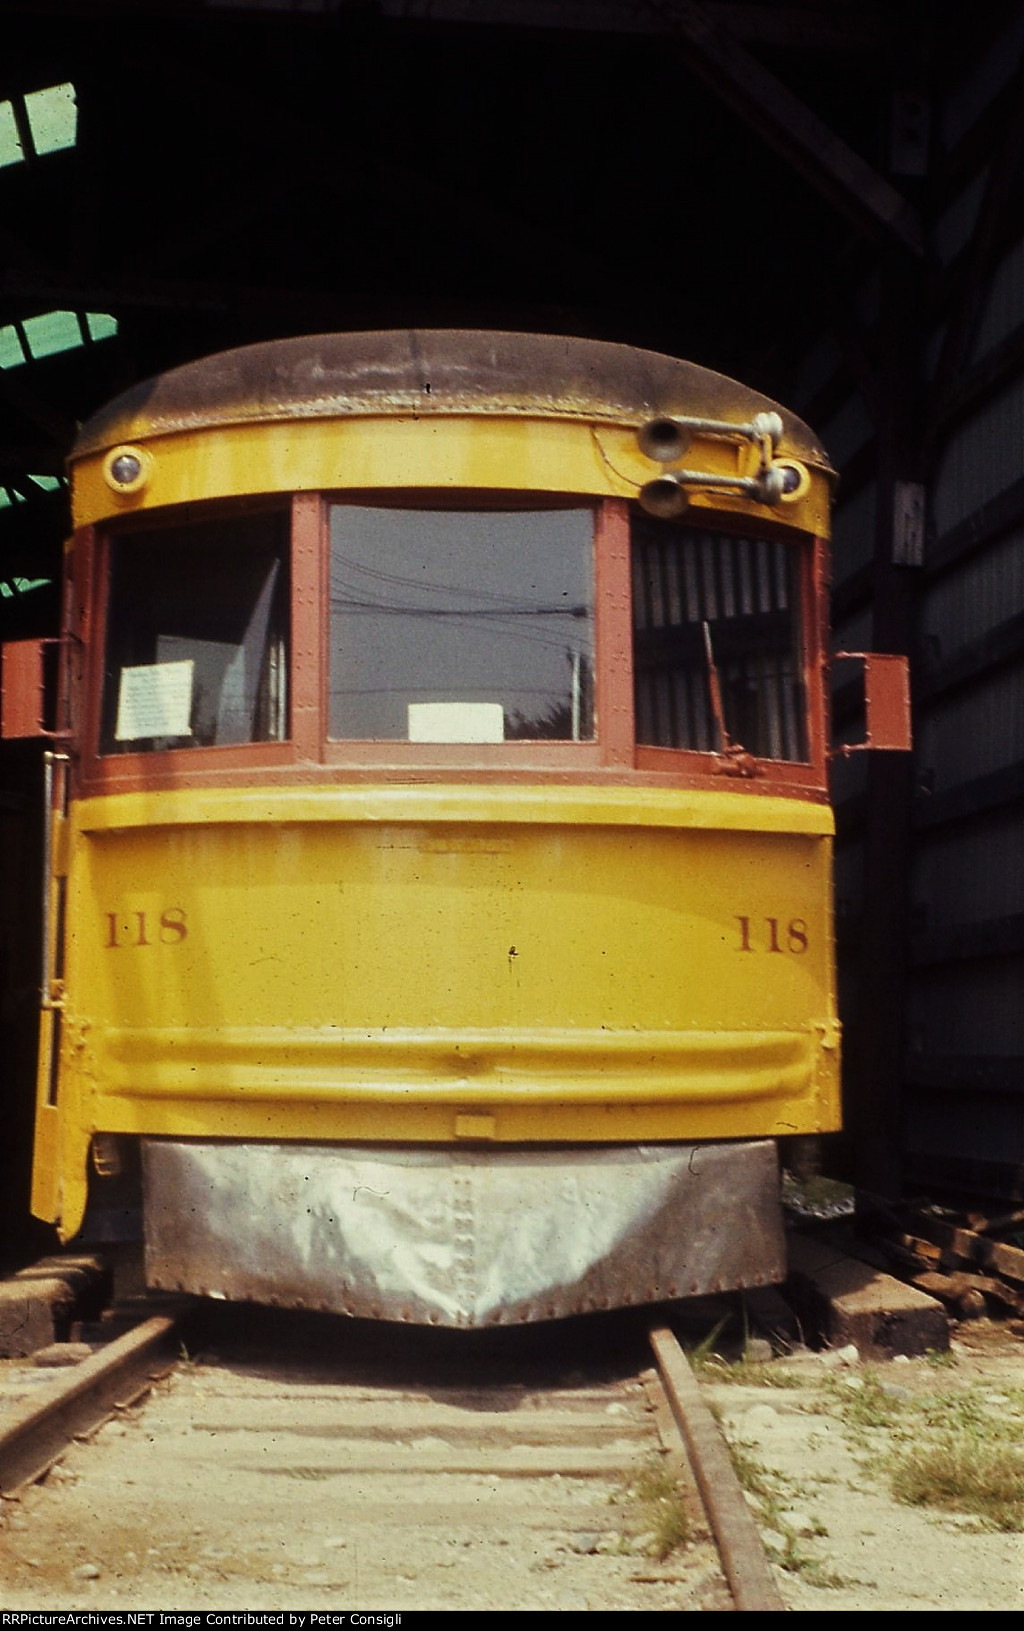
736,761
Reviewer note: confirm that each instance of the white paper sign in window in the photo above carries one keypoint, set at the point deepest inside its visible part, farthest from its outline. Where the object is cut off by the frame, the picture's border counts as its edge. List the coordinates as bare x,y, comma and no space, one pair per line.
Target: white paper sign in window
456,722
155,701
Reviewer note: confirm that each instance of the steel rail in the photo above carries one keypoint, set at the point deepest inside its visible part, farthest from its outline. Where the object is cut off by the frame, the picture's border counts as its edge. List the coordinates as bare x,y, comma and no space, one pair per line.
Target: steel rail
744,1562
36,1433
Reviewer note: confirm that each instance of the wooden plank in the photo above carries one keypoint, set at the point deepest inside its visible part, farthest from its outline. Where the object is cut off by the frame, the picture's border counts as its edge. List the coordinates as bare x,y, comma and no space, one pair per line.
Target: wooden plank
794,130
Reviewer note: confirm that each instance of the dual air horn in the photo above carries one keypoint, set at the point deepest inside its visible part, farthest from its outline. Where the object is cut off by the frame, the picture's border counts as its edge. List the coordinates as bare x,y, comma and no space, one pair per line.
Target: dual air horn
667,440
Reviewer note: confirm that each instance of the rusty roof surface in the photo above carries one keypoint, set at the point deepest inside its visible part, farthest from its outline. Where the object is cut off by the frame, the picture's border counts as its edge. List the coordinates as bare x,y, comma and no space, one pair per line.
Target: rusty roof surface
430,371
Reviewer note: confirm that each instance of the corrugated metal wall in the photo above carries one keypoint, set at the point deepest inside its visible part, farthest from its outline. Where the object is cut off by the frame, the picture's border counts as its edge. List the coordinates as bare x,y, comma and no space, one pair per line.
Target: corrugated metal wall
964,1095
954,1103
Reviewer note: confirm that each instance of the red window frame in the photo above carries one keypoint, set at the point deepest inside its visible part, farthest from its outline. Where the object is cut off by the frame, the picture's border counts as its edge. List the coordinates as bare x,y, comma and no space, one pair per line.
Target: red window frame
309,754
774,775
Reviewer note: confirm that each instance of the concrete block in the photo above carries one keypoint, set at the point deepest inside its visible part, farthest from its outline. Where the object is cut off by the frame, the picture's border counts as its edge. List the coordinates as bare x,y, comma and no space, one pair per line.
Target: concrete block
851,1302
33,1314
39,1303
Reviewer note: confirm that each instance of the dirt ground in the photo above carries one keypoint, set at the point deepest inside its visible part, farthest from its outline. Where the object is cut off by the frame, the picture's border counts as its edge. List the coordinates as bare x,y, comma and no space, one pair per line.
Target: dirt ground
820,1452
815,1437
363,1468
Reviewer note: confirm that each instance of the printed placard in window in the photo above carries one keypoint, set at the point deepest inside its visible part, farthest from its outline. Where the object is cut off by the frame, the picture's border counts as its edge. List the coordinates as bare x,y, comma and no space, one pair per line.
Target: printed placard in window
155,700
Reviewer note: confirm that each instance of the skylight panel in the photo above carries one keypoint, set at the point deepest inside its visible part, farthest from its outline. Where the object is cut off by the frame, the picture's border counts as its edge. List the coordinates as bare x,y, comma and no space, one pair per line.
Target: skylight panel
101,325
21,586
13,494
11,150
52,118
12,352
52,332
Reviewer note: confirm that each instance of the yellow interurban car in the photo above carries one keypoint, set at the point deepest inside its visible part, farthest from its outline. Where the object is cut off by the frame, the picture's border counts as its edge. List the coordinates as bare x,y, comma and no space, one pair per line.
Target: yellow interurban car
439,851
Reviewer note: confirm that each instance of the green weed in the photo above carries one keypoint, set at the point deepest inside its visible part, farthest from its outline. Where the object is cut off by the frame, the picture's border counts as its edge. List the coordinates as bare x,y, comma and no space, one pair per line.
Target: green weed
865,1401
811,1569
941,1358
951,1451
959,1474
663,1516
773,1495
750,1372
704,1353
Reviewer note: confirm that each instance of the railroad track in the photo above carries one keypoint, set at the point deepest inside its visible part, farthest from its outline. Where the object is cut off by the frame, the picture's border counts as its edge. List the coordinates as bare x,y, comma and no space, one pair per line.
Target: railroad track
298,1464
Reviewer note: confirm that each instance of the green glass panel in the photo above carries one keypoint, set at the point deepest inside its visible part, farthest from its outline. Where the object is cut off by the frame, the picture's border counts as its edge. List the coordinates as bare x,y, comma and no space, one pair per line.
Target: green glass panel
53,331
101,325
12,352
10,145
52,118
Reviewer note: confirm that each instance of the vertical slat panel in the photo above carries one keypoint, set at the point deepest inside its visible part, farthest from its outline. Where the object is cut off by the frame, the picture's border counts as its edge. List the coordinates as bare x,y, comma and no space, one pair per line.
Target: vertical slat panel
745,590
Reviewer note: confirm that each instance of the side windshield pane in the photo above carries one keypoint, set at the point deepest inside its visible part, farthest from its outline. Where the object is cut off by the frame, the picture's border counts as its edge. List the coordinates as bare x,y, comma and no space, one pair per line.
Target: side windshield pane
196,652
708,606
461,626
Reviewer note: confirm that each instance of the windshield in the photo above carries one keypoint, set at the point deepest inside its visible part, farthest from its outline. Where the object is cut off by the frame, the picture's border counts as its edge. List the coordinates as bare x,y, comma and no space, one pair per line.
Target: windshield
196,635
717,641
461,625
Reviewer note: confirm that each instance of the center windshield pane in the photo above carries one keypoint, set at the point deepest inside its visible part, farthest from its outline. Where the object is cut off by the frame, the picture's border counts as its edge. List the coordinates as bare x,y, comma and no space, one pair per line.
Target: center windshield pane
461,626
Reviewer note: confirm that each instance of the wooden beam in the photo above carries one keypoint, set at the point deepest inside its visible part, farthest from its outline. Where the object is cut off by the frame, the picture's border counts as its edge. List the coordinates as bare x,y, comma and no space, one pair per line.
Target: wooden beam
979,528
976,271
996,790
839,25
14,394
793,130
939,673
966,1074
39,458
967,942
859,354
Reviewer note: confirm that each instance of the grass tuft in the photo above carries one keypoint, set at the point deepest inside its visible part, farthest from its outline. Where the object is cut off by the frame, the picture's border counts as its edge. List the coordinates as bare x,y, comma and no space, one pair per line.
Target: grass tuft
869,1403
772,1494
704,1353
750,1372
664,1519
959,1474
941,1358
